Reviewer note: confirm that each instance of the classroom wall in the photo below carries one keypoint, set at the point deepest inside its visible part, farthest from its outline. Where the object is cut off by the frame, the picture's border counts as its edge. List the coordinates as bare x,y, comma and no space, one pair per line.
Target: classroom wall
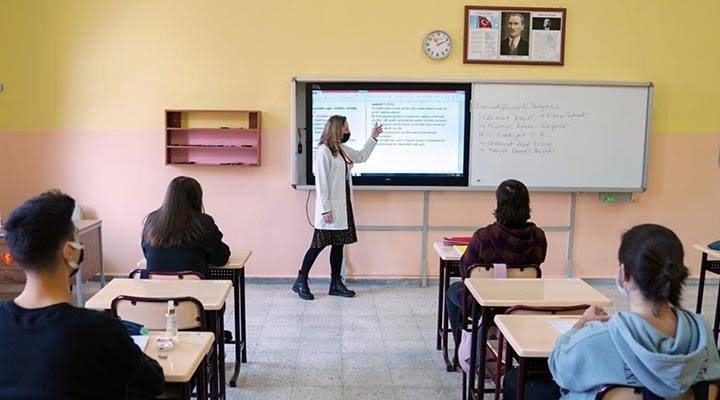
86,83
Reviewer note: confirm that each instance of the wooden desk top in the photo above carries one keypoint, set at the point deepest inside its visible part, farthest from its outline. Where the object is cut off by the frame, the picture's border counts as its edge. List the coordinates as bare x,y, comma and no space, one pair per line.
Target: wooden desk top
447,253
237,260
184,359
211,293
530,335
494,292
707,250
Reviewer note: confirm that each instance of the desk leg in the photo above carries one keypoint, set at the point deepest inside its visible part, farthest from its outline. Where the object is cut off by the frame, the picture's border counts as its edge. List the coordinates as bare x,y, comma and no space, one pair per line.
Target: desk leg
221,352
239,285
521,379
78,289
242,315
701,284
473,351
215,354
716,325
102,266
202,387
441,300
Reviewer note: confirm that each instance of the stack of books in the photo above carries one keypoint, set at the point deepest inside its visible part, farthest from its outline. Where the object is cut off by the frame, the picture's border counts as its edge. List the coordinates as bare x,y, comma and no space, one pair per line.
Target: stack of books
456,240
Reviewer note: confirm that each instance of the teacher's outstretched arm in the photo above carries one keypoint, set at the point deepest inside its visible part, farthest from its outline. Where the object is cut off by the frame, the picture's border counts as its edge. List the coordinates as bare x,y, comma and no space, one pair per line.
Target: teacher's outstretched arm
362,155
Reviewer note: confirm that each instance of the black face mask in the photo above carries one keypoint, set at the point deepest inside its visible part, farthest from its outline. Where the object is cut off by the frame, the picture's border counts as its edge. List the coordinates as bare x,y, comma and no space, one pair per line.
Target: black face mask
345,138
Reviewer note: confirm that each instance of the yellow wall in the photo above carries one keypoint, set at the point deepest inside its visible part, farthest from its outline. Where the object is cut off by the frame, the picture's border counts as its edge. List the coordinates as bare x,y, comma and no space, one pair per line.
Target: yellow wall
86,83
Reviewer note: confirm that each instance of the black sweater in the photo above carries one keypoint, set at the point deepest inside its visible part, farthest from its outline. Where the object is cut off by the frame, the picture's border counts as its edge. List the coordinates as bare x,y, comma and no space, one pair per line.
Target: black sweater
64,352
194,256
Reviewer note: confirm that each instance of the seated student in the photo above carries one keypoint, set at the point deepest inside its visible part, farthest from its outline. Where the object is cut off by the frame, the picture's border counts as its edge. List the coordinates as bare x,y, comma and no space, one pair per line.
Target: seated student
179,236
656,344
48,348
511,240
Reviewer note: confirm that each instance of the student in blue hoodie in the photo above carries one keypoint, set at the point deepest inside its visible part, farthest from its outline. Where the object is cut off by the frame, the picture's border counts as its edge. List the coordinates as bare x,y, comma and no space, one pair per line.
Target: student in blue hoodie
656,344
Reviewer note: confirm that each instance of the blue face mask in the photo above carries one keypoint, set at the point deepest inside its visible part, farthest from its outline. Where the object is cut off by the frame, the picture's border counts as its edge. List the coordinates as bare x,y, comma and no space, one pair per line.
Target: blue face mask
346,137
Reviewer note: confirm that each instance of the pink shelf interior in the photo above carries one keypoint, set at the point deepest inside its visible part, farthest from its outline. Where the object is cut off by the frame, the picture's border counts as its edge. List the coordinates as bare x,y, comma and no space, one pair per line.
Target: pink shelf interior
213,137
213,156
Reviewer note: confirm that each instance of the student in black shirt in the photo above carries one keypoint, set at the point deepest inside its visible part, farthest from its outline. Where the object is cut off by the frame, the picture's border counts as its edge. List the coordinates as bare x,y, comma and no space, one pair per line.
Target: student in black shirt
179,236
50,349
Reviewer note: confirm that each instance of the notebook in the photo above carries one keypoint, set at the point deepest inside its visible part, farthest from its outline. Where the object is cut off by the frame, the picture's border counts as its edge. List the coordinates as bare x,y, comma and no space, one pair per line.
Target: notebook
140,340
563,325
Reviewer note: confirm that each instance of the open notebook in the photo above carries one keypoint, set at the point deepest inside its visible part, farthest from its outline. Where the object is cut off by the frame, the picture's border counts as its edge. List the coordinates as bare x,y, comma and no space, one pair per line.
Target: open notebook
140,340
564,324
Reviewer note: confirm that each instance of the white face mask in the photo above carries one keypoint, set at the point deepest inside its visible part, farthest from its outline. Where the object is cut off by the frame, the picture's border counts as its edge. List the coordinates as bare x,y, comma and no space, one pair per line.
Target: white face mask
619,282
77,258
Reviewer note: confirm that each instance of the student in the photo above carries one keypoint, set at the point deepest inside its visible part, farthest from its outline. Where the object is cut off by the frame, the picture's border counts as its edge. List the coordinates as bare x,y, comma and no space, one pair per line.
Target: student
48,348
655,344
334,221
179,236
510,240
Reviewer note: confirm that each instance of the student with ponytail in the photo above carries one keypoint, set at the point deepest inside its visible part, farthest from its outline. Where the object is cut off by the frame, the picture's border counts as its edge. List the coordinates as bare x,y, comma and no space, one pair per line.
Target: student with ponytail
655,344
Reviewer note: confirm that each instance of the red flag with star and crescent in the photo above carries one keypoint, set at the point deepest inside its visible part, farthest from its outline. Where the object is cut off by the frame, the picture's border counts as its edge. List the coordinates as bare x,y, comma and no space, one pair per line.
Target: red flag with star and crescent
484,22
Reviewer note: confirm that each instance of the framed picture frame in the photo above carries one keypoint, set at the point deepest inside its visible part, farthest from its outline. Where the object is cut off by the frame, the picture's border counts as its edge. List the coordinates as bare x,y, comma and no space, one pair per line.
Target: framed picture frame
514,35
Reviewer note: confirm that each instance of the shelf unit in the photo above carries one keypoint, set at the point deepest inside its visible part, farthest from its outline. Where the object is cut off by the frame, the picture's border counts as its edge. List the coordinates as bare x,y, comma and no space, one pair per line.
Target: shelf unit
212,137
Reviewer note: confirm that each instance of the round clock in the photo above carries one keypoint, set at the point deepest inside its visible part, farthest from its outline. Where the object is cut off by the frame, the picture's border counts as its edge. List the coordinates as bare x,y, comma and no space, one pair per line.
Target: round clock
437,45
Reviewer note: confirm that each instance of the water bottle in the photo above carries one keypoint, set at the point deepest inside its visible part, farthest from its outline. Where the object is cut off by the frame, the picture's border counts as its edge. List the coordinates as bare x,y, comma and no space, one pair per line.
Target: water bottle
171,321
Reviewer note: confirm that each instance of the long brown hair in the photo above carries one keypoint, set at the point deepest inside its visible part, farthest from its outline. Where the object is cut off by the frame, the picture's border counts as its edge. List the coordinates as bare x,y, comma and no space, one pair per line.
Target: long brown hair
333,132
179,220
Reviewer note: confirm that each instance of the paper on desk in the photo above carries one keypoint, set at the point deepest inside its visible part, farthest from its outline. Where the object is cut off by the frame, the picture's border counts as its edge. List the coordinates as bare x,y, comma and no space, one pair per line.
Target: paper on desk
140,340
563,325
461,248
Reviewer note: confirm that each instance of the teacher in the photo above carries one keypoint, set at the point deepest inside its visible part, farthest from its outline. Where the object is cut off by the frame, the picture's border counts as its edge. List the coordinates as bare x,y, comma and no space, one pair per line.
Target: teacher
334,223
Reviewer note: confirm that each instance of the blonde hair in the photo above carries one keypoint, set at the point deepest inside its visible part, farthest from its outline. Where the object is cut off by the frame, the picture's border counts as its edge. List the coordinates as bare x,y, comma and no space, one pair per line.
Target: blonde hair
333,132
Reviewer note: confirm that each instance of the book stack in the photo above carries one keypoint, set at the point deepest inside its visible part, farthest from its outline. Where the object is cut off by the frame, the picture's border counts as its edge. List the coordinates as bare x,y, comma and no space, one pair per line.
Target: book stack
456,240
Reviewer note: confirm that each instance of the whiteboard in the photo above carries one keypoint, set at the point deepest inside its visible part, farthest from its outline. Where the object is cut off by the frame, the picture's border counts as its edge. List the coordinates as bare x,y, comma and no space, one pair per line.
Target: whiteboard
560,136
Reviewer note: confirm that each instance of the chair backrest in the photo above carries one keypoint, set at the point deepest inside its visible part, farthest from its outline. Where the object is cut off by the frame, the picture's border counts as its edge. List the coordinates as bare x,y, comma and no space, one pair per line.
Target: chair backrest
564,310
150,311
619,392
513,271
190,275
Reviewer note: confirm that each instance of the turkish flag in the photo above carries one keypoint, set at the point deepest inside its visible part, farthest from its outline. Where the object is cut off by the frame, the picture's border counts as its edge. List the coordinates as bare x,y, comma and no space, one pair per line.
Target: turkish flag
483,22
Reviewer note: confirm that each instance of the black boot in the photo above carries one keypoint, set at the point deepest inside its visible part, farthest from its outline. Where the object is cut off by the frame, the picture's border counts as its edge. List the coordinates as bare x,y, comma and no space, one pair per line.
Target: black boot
337,288
302,288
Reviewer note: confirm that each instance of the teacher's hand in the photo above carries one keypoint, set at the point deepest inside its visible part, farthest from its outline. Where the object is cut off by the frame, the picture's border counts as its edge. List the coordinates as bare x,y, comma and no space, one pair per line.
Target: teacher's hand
376,131
327,217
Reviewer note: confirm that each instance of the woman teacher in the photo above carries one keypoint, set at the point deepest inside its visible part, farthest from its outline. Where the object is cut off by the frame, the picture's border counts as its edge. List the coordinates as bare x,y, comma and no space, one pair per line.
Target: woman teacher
334,223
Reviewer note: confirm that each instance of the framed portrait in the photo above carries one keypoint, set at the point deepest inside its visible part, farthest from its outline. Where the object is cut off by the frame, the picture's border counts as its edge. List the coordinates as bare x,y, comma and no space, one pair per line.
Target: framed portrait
514,35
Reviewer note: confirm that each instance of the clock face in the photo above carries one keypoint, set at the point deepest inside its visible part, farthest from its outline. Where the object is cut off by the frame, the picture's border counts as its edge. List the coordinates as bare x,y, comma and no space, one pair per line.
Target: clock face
437,45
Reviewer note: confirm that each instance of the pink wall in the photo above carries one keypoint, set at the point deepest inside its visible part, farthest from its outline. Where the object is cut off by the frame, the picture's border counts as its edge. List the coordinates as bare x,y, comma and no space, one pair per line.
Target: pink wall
119,176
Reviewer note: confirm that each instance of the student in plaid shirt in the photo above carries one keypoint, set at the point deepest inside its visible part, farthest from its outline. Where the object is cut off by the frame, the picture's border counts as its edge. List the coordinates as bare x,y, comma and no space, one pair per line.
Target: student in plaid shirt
511,240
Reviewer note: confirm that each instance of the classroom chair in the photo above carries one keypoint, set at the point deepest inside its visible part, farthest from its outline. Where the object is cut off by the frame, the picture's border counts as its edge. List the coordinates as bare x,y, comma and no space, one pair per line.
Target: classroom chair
699,391
529,271
150,312
496,347
138,274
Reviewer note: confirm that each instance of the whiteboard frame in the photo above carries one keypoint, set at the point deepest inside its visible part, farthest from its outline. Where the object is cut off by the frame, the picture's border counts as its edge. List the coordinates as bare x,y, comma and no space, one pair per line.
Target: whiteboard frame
294,176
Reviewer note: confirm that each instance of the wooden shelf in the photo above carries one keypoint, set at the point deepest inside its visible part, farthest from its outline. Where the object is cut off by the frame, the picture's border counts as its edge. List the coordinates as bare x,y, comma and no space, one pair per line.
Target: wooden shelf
208,146
212,137
228,130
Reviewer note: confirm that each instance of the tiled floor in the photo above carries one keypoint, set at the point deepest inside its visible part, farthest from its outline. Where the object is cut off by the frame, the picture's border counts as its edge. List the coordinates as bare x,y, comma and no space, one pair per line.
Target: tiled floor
378,345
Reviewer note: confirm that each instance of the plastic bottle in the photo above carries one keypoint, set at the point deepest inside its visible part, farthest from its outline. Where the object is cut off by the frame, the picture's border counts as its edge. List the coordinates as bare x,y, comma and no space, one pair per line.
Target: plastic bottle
171,321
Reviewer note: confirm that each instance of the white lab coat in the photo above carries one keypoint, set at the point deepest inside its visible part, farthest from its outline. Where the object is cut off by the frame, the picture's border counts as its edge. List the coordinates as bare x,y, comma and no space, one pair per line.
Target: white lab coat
329,174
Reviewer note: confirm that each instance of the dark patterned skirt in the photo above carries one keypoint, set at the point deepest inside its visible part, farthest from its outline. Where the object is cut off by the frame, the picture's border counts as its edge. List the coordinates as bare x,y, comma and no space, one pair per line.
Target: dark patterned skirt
327,237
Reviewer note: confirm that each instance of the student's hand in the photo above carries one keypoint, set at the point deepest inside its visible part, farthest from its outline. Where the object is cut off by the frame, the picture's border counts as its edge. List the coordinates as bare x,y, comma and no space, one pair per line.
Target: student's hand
593,313
376,131
327,217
